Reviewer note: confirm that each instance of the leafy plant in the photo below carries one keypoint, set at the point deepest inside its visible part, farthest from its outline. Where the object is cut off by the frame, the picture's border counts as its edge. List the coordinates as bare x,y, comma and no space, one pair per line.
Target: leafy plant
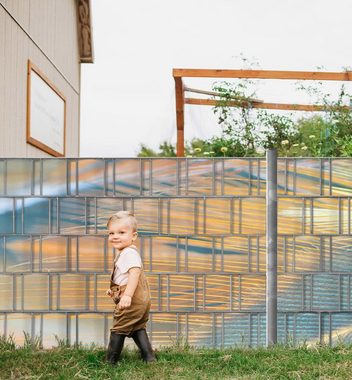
277,131
165,150
235,114
333,127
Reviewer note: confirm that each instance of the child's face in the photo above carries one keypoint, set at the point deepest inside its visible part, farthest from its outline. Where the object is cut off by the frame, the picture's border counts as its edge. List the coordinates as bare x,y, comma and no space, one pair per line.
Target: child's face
121,235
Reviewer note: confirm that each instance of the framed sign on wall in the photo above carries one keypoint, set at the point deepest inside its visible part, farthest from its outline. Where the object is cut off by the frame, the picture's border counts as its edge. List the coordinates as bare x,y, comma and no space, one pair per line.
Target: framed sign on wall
46,113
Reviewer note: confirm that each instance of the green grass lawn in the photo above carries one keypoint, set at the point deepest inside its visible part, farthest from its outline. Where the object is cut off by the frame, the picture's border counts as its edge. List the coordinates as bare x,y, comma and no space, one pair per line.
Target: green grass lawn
280,362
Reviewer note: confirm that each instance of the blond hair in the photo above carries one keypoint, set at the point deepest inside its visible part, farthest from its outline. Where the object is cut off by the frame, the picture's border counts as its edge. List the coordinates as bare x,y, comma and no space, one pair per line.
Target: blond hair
124,215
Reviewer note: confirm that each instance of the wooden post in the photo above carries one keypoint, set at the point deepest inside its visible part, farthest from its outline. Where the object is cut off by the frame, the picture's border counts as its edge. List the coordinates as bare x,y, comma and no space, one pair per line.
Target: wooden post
180,118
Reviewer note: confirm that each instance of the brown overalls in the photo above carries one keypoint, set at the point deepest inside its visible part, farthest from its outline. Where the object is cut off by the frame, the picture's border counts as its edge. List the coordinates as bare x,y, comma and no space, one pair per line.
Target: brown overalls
135,317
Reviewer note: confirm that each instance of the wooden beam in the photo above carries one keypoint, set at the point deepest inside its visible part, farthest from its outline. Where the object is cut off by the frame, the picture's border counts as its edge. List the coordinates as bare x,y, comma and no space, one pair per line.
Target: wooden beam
214,93
180,118
269,106
263,74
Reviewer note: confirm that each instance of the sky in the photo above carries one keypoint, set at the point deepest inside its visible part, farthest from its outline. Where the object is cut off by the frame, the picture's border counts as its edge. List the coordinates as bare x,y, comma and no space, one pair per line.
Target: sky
128,96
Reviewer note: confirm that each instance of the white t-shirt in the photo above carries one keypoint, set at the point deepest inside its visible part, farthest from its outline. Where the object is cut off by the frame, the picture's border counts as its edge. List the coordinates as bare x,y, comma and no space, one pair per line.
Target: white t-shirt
128,258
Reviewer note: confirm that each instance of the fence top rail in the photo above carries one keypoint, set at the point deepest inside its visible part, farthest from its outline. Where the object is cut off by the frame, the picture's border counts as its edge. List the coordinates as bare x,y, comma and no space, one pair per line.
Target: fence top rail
170,197
262,158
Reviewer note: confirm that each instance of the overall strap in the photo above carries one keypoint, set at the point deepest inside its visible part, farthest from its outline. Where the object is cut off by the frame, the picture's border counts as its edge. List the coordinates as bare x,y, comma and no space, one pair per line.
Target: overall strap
114,268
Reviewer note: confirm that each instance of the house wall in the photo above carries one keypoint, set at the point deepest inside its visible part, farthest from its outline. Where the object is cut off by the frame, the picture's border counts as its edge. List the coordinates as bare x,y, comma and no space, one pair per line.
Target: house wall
44,32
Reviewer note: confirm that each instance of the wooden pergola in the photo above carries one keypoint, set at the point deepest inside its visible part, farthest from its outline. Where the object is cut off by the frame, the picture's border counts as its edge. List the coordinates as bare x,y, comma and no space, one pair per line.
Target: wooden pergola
181,100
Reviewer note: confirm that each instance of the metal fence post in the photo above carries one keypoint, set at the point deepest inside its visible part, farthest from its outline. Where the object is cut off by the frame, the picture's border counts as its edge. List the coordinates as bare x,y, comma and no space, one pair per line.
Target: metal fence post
271,247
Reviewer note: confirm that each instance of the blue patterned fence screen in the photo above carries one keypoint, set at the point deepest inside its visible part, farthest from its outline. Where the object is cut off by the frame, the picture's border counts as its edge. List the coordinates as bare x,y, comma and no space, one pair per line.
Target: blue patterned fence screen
202,240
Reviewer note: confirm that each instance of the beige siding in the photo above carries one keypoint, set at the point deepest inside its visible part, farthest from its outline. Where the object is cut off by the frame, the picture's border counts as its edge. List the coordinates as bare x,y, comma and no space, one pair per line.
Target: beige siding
13,88
51,44
19,9
53,25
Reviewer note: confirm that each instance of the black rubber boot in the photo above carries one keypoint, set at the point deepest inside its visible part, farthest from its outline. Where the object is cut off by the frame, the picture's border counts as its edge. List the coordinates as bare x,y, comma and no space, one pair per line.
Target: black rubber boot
140,337
115,347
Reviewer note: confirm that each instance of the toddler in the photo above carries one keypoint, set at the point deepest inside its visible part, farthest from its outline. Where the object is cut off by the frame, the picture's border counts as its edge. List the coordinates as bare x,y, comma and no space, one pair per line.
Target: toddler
129,289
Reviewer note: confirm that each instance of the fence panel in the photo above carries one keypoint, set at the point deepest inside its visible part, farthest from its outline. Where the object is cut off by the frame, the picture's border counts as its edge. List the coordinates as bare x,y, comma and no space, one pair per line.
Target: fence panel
202,241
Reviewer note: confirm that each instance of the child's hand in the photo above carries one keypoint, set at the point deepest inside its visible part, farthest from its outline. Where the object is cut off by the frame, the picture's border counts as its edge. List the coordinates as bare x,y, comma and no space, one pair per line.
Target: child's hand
109,292
125,302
